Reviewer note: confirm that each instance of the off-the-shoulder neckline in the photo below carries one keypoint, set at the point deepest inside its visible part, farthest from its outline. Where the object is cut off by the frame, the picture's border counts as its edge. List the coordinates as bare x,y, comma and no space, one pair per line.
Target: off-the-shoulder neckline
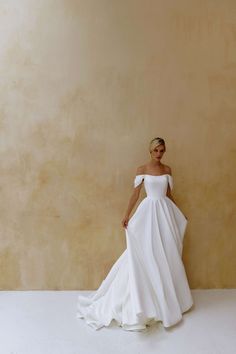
145,174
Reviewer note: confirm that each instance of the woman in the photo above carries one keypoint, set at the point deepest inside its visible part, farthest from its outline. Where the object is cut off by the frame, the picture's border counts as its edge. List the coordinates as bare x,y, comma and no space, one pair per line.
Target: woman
148,281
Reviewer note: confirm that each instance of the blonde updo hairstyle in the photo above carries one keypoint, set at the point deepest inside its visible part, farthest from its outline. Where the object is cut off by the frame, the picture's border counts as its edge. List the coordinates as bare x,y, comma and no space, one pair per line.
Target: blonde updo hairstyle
156,142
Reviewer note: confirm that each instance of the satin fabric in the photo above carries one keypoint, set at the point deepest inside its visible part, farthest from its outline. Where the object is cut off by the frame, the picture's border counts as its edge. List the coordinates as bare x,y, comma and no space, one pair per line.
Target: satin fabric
148,281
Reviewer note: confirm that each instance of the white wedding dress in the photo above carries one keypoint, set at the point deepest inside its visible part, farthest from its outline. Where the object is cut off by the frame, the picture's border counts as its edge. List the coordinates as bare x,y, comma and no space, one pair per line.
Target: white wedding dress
148,281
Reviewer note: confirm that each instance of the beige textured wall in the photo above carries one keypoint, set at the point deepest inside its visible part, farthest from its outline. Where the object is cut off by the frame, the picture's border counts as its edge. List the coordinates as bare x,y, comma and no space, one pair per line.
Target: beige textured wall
84,86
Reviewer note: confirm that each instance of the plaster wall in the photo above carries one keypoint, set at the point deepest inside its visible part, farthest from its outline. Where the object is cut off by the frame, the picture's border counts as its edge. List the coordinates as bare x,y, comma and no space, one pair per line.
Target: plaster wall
84,86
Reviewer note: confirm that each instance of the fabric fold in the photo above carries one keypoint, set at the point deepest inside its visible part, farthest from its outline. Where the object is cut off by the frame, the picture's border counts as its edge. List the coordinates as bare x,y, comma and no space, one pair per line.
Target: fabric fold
148,281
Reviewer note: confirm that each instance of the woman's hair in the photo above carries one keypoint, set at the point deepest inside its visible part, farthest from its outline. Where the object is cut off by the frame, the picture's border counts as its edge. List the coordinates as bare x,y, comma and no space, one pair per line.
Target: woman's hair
155,142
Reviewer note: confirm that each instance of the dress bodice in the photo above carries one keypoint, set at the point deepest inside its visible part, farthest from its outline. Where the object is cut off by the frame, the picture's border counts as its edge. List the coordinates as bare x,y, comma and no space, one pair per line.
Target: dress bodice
155,186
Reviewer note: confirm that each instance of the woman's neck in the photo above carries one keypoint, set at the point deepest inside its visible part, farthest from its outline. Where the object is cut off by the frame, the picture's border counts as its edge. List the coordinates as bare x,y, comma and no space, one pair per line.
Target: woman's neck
156,163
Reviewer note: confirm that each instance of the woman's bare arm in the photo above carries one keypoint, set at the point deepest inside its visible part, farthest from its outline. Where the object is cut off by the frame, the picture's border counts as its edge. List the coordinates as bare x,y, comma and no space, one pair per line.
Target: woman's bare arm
168,192
169,195
133,200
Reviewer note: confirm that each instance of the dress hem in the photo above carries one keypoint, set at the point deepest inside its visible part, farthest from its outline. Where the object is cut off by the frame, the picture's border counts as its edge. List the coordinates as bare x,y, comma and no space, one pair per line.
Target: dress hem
133,327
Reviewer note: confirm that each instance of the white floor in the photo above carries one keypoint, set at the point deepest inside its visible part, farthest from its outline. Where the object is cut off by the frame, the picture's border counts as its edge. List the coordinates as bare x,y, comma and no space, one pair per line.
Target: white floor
44,322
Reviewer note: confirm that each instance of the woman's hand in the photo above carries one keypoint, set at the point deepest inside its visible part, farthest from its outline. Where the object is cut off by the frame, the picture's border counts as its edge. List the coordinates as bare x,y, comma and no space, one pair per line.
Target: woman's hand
125,221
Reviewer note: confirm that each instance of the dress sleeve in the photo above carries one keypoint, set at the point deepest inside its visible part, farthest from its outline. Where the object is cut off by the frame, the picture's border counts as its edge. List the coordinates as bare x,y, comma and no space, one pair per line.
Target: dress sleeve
138,179
170,180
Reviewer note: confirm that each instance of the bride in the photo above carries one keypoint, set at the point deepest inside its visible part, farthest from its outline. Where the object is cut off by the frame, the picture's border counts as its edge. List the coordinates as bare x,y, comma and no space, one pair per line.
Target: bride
148,281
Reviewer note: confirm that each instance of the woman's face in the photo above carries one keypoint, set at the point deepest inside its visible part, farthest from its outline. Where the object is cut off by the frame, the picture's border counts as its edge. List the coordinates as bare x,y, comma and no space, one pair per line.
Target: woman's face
158,152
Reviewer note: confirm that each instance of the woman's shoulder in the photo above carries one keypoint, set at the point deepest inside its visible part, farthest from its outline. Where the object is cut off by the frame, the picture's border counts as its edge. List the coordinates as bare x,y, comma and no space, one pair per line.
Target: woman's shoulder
140,170
168,169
